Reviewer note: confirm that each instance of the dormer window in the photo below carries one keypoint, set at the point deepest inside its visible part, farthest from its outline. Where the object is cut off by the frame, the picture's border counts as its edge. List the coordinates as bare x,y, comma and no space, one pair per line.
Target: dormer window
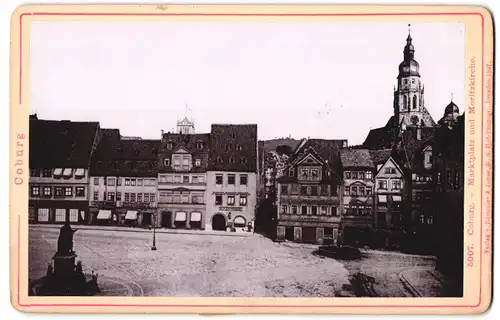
166,162
197,162
170,145
244,160
199,145
291,172
219,160
231,160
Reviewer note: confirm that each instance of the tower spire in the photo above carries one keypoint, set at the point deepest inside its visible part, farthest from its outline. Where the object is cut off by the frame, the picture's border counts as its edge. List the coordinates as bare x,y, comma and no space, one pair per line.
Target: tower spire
452,97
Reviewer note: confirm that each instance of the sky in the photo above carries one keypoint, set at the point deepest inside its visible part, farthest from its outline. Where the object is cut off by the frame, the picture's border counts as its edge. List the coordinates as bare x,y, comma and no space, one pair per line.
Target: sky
331,80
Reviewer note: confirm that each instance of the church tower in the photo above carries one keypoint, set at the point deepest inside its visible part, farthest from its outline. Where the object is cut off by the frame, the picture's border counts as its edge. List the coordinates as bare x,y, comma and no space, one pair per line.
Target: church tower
409,103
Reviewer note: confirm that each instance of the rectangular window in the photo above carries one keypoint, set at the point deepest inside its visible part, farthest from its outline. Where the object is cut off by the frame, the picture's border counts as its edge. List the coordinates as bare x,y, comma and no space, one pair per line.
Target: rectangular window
139,182
111,181
60,215
185,179
294,209
230,178
146,197
323,210
314,190
132,197
127,197
47,173
218,200
184,198
194,179
284,208
47,191
177,179
162,178
96,196
168,198
347,174
197,162
127,182
80,191
368,175
118,196
201,179
303,190
324,190
304,210
314,174
284,189
396,185
151,197
243,179
243,200
132,182
368,191
43,214
218,179
111,196
177,160
334,212
118,181
35,191
230,200
58,191
347,191
73,215
68,191
361,191
354,191
361,175
139,197
170,178
304,173
295,188
382,184
166,162
96,181
354,174
314,210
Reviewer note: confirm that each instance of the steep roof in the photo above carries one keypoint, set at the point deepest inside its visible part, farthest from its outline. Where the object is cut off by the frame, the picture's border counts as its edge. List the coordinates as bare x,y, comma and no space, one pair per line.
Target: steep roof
380,156
66,144
233,147
356,158
115,156
409,148
327,150
189,142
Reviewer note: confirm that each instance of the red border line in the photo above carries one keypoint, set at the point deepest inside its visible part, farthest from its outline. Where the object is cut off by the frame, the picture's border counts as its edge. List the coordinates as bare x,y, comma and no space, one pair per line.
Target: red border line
255,15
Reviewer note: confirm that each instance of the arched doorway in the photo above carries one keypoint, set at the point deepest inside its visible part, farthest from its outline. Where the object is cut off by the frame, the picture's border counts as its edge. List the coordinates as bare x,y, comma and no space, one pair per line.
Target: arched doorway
218,222
240,222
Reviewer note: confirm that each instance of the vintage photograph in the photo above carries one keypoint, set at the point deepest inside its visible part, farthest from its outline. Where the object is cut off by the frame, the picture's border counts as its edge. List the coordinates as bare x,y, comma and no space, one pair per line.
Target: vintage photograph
246,159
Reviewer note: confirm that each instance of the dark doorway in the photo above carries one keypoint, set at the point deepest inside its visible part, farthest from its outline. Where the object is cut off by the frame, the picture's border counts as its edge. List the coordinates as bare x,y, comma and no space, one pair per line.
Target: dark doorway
146,219
218,222
289,233
309,234
166,219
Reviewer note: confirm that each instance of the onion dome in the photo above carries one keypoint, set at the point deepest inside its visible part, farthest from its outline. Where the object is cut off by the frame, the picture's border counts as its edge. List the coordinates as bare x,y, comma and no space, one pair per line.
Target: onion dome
409,66
451,108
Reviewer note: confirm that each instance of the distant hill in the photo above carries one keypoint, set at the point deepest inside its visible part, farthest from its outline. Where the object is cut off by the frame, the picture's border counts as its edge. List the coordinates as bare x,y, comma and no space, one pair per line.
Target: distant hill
271,145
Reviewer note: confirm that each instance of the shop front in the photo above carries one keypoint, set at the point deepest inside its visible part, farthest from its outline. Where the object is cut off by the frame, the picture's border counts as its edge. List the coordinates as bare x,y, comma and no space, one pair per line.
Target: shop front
58,211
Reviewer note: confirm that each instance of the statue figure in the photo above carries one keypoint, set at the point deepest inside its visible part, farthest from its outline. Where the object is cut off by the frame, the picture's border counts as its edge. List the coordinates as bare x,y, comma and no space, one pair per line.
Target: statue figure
65,241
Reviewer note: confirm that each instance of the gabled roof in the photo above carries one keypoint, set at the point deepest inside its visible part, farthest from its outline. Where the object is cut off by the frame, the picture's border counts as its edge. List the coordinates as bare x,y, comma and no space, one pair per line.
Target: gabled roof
380,156
233,147
186,141
390,160
409,149
66,144
356,158
118,157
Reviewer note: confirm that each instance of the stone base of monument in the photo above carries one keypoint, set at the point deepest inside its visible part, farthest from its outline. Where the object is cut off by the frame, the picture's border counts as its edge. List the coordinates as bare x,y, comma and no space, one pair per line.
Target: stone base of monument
65,279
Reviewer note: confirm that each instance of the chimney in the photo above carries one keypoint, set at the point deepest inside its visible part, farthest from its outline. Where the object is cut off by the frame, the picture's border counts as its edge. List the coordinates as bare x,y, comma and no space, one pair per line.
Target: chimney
162,133
419,132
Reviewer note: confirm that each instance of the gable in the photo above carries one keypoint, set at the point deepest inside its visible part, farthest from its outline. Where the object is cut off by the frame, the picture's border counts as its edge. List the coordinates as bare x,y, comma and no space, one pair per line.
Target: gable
181,150
390,163
309,159
427,148
357,183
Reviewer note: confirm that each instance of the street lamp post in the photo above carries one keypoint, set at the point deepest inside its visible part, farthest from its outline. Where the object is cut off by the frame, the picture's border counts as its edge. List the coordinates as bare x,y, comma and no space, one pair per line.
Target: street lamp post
154,233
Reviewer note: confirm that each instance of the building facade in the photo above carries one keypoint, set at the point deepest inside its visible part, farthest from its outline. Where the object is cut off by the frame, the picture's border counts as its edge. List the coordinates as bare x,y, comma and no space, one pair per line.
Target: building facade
390,200
182,178
60,153
309,194
123,181
231,194
358,209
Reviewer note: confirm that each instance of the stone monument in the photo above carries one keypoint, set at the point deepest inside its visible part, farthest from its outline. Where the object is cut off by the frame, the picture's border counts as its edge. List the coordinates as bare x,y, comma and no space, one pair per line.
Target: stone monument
66,278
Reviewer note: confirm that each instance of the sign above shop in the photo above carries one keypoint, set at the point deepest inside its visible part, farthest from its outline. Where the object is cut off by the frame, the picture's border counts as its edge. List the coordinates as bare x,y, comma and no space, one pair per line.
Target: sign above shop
230,209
